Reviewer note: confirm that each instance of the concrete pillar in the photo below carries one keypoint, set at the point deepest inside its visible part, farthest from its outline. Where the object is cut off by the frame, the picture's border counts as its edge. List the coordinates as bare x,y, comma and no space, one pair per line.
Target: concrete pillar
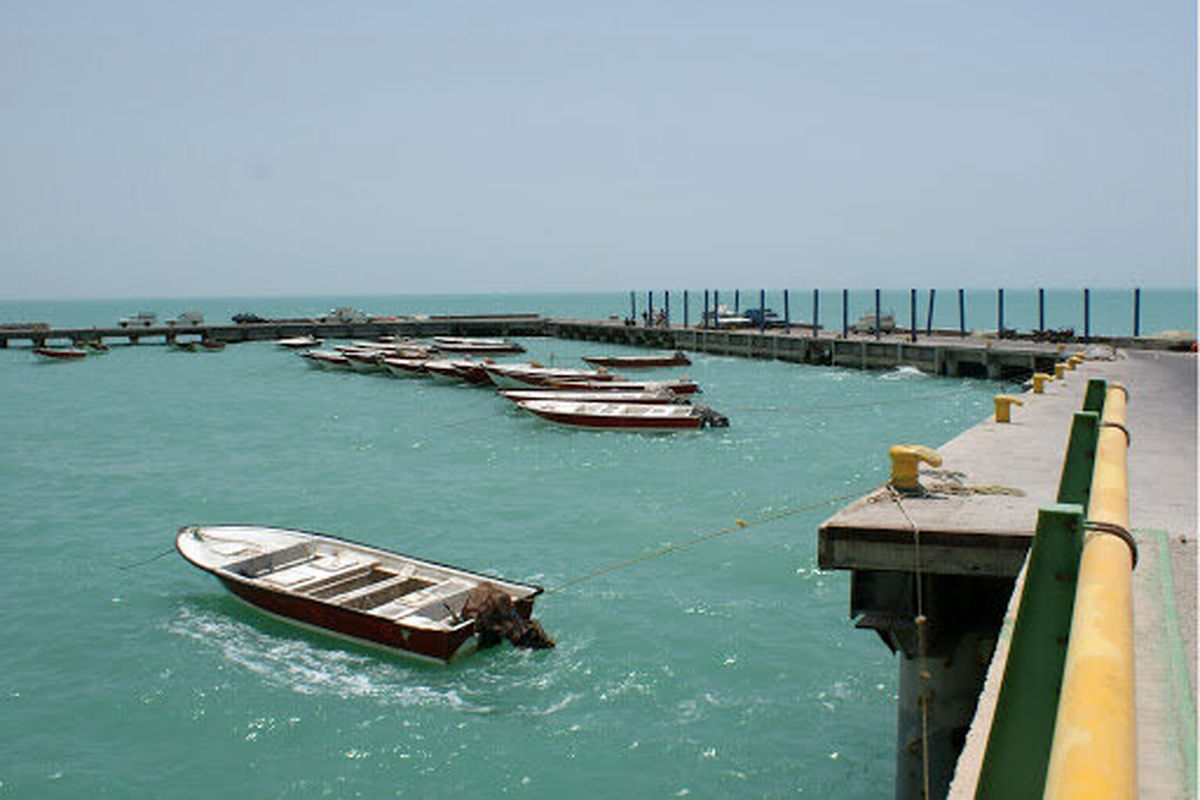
937,698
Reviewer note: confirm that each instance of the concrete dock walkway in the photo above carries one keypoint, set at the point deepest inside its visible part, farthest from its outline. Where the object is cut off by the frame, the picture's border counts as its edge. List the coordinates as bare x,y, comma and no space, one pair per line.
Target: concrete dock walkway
983,534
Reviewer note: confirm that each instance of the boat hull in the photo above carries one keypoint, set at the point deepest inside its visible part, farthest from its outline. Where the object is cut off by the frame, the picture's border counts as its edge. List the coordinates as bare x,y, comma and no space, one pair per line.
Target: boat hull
633,362
439,646
52,354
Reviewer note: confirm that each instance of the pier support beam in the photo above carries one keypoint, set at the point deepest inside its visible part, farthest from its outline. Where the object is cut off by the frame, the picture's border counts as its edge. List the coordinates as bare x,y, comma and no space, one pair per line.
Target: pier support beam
944,635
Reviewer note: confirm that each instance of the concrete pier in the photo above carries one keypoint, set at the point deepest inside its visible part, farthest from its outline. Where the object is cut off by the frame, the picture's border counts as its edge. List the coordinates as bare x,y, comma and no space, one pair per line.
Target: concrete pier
967,541
474,325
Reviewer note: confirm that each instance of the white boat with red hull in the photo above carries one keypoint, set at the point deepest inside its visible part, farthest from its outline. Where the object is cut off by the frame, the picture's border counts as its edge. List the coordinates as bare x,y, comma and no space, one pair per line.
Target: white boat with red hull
676,359
326,359
60,353
678,386
567,396
626,416
466,344
419,608
533,375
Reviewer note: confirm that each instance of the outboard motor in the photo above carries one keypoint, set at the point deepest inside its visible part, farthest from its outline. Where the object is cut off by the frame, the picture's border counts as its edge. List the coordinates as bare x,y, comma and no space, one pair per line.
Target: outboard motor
711,419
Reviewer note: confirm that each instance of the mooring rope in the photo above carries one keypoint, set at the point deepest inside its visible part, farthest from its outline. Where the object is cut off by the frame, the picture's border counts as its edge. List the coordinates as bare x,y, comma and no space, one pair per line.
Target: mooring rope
738,524
922,645
143,562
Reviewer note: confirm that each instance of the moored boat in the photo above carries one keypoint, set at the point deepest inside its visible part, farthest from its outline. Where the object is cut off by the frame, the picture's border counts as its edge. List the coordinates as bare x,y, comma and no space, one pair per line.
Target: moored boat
404,367
419,608
626,416
60,353
466,344
676,359
677,386
568,396
524,376
300,342
326,359
212,345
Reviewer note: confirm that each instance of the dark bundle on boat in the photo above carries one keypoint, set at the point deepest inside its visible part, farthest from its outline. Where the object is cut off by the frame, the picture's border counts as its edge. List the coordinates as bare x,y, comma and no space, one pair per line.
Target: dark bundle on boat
496,619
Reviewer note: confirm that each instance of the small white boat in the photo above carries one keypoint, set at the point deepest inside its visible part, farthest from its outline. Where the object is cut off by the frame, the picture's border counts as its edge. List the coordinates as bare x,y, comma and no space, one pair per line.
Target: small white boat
363,360
419,608
404,367
524,376
626,416
466,344
676,359
677,386
568,396
326,359
60,353
300,342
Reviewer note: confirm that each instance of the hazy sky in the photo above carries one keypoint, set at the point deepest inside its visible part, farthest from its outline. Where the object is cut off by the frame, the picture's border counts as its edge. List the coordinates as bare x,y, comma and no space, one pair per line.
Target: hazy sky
244,148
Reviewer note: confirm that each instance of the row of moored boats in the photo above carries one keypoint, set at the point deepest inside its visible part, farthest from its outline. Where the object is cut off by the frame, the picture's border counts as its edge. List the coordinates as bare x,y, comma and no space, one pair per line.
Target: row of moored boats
592,397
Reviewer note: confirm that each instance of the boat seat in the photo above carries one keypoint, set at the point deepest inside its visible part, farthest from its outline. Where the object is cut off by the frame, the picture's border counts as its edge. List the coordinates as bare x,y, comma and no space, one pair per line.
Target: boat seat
376,594
429,603
265,563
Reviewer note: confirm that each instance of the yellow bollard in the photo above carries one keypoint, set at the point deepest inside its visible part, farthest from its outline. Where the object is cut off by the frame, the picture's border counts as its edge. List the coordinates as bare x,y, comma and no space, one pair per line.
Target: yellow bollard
1004,404
1074,361
1094,752
905,460
1039,382
1060,370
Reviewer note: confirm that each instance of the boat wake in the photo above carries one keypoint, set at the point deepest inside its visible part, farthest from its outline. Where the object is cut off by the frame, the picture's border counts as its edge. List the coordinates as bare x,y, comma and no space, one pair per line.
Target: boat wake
307,668
903,374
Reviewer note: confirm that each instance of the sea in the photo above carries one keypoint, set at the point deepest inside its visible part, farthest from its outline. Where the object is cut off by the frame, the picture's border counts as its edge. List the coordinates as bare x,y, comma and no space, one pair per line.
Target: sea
700,650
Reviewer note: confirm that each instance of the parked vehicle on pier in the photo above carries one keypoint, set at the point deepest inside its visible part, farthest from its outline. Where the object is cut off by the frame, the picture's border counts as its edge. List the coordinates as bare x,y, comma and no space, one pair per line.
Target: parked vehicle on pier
142,319
763,318
187,319
343,314
866,323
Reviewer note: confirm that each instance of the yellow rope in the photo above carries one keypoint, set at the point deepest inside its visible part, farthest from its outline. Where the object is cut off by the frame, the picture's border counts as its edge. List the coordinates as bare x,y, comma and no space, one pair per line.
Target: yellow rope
921,621
738,524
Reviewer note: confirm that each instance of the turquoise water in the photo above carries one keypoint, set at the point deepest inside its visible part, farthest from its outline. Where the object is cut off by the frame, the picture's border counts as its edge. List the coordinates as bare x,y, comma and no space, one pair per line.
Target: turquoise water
727,669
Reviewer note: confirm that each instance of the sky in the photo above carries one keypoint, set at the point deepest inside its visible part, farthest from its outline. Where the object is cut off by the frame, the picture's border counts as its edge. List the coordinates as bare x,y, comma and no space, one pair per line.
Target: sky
241,148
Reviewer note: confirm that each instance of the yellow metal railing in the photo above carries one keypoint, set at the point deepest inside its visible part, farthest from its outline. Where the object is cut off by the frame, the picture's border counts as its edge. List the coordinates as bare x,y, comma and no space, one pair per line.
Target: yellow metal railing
1094,750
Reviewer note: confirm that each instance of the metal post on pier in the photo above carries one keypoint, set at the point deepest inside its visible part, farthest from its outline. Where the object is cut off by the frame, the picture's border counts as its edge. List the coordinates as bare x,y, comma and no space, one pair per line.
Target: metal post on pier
787,313
716,305
878,333
929,315
962,313
704,319
1041,310
649,308
762,310
1000,313
816,312
667,307
1087,315
685,308
912,317
737,301
845,313
1137,313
